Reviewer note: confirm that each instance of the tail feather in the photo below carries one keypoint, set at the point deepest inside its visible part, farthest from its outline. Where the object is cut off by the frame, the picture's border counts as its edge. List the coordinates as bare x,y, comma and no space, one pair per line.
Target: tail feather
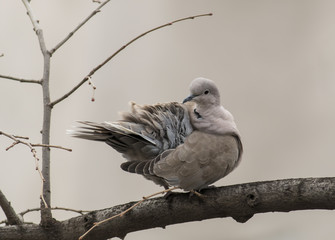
105,131
132,144
94,132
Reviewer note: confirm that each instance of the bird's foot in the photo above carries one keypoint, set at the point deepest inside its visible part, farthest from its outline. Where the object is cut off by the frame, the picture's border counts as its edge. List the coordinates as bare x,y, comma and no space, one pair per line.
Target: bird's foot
170,194
198,194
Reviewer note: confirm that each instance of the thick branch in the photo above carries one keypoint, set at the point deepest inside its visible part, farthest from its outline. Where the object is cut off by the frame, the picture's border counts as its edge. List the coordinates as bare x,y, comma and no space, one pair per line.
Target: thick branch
20,79
118,51
238,201
79,26
12,217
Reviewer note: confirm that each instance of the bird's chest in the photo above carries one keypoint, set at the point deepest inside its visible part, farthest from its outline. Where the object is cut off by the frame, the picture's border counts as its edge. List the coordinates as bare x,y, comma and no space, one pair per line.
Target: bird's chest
209,121
201,119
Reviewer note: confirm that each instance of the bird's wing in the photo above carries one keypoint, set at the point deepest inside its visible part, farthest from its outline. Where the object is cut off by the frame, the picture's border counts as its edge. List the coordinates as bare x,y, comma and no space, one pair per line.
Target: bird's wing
144,133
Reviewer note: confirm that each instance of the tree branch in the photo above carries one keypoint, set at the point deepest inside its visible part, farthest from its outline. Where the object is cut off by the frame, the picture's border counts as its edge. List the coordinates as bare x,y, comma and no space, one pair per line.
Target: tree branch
81,212
18,140
12,217
87,77
21,214
240,202
36,25
78,27
20,79
46,216
51,146
96,224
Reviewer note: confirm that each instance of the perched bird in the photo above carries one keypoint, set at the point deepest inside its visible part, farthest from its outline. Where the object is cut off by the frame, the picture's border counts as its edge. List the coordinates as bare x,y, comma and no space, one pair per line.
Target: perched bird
188,145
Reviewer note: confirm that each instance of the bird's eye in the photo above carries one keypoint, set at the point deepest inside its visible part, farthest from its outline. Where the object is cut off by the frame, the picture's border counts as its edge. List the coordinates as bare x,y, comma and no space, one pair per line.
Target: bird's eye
206,92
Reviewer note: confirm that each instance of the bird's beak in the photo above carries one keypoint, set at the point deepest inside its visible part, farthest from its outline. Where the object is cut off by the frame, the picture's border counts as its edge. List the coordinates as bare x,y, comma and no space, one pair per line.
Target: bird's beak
189,98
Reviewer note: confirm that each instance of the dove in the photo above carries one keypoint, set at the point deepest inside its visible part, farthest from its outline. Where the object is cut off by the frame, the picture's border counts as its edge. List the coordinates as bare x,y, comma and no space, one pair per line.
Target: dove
189,145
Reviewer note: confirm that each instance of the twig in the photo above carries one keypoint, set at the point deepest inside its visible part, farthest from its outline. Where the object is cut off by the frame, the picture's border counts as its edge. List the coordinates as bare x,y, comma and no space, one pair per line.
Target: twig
52,104
33,151
51,146
93,87
34,20
78,27
16,136
12,217
17,140
21,214
36,26
21,79
125,211
81,212
86,78
142,35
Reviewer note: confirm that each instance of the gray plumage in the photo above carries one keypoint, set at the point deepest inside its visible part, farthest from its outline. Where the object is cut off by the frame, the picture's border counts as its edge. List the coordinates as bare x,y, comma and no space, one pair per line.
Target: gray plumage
190,145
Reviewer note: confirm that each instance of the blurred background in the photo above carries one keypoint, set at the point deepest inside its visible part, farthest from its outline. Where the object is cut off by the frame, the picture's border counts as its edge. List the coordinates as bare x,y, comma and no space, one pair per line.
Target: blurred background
273,61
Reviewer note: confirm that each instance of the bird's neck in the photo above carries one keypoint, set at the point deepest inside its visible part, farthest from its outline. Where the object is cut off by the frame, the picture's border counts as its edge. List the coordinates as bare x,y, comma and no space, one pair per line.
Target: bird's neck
213,119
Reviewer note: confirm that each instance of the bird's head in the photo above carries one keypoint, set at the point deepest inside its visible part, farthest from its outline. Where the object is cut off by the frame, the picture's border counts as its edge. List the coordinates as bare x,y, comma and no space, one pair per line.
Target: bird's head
203,92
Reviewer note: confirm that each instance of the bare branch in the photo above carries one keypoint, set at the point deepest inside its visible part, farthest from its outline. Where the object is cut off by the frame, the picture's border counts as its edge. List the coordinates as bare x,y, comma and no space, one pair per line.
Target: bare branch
12,217
33,19
78,27
52,104
37,28
125,211
142,35
90,82
81,212
46,215
18,140
20,79
118,51
51,146
240,202
33,151
16,136
21,214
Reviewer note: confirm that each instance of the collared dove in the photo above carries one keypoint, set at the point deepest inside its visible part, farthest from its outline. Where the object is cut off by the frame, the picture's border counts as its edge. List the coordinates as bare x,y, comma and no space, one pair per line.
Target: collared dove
188,145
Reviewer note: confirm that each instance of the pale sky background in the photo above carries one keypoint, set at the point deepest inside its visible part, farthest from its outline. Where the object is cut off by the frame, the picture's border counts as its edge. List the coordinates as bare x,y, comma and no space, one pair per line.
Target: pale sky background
273,61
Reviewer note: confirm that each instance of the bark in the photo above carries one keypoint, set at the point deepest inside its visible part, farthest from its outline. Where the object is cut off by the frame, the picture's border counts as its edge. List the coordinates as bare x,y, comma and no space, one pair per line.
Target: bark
240,202
6,206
